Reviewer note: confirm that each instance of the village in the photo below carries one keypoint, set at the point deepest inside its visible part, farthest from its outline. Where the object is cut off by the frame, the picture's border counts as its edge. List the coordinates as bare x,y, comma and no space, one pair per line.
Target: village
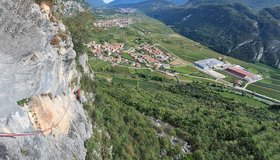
143,55
107,52
152,56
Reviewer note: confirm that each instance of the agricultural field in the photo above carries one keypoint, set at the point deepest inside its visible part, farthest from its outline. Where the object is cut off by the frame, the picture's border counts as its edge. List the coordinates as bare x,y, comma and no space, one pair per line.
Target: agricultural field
269,85
127,81
265,90
275,76
99,65
184,69
242,99
190,79
271,81
152,73
137,83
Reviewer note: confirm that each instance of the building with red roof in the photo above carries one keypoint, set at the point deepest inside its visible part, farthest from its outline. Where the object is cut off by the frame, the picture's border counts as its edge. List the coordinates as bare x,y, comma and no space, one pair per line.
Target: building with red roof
242,74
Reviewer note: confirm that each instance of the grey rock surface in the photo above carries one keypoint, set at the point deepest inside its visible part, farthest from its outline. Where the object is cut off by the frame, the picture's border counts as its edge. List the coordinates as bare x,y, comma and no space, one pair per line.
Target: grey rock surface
71,7
31,66
83,61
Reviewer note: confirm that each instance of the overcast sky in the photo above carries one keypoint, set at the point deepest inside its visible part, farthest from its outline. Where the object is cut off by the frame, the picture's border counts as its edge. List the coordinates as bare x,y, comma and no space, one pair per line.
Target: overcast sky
107,1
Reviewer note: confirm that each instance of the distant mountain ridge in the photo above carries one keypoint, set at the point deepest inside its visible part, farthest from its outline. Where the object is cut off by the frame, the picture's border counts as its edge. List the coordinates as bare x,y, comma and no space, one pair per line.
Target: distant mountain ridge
257,4
96,3
233,30
148,6
128,2
120,2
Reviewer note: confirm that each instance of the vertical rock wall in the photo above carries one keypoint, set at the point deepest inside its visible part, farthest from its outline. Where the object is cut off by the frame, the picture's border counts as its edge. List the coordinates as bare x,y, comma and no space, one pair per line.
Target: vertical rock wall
37,62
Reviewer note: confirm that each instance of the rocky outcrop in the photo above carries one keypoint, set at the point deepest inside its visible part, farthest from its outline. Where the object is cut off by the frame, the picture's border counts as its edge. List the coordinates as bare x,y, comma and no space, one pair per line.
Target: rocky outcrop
38,72
70,8
83,61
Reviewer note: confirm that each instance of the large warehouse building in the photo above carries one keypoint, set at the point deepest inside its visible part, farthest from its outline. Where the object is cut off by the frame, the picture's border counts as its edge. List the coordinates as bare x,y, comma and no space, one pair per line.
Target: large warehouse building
242,74
209,63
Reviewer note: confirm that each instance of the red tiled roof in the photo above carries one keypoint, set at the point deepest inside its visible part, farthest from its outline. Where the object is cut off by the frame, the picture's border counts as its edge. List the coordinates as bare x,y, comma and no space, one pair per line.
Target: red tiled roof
239,72
148,58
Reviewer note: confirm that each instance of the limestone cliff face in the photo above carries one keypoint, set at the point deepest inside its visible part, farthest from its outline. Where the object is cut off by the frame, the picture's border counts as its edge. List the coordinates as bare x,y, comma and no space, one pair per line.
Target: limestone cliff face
37,62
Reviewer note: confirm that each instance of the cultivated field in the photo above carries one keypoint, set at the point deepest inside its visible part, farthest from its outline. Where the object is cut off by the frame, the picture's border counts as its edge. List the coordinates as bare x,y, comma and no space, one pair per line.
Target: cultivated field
273,93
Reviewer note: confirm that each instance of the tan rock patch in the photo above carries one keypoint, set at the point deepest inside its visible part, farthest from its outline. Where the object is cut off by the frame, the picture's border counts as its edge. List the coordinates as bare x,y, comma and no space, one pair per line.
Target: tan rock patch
51,115
45,8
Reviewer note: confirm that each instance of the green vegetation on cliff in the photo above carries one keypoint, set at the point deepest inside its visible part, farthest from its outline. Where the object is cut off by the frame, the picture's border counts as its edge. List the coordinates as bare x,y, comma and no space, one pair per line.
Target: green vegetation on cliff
82,29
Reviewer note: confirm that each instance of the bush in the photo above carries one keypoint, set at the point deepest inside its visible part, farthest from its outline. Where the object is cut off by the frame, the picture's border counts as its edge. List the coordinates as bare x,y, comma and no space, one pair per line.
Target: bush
23,102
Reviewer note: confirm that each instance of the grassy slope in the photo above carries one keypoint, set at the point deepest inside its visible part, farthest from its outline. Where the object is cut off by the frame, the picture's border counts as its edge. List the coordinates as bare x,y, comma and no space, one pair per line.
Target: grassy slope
273,93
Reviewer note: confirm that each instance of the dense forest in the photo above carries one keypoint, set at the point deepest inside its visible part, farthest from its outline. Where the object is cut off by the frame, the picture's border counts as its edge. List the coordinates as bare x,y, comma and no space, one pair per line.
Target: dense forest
215,127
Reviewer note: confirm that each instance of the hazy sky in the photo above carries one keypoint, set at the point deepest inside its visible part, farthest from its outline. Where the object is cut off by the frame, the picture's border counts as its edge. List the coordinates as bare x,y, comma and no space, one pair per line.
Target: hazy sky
107,1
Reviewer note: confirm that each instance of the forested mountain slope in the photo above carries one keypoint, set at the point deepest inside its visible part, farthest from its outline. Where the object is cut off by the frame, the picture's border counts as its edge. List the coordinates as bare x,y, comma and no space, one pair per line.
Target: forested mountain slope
118,2
148,6
257,4
96,3
233,30
129,2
